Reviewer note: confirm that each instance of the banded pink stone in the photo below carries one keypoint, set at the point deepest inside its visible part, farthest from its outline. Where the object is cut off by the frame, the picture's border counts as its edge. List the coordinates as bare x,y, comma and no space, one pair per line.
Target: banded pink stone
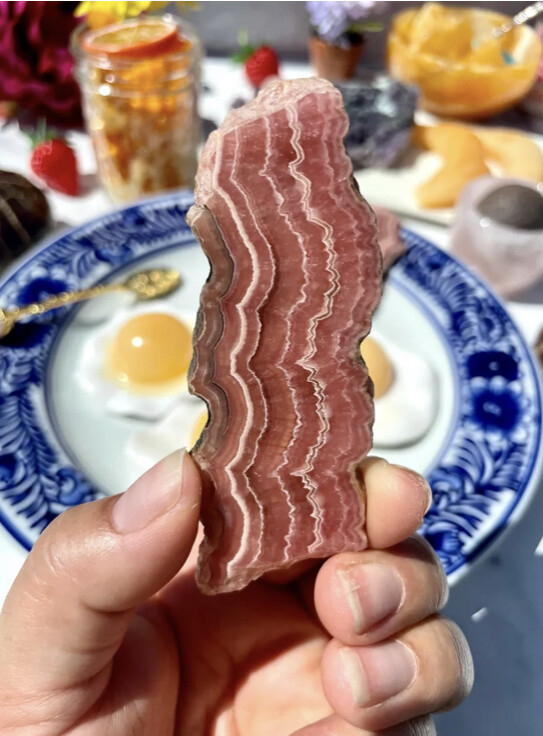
295,276
390,239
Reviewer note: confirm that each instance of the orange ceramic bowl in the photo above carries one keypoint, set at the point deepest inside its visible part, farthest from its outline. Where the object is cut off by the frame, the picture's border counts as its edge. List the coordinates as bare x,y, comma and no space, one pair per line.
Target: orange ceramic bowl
450,54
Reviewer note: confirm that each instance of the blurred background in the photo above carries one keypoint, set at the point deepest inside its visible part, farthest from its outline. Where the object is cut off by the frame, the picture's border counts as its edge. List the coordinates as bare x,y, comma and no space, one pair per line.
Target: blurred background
286,26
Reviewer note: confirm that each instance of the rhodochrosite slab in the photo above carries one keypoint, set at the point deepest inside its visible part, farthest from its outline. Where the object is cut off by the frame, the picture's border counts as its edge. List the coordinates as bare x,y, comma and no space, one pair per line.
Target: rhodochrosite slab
295,277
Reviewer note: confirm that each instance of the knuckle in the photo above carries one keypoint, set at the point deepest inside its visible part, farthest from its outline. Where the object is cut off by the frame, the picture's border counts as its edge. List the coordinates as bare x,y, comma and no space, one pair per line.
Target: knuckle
71,546
55,550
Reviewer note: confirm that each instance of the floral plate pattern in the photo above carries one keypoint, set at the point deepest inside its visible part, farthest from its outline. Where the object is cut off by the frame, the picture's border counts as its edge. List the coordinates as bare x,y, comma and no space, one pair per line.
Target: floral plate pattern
481,479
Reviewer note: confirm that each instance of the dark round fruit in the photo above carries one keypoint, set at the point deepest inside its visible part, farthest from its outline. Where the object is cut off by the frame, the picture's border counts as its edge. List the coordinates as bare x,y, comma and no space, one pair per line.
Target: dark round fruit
514,205
24,215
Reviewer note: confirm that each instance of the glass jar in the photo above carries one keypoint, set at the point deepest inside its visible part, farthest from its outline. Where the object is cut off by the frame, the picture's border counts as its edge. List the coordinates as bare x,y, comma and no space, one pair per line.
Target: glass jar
142,113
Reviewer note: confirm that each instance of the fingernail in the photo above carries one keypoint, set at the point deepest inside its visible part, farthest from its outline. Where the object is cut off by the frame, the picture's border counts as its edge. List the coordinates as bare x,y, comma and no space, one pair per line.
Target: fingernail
430,497
422,481
377,673
373,592
151,496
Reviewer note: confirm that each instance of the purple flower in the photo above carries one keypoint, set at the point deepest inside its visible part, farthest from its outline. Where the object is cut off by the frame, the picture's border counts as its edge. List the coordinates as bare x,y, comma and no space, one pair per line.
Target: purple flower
333,20
35,62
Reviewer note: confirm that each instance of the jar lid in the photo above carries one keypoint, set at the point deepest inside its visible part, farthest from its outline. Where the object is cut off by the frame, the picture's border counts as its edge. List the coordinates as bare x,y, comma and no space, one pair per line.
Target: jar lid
122,45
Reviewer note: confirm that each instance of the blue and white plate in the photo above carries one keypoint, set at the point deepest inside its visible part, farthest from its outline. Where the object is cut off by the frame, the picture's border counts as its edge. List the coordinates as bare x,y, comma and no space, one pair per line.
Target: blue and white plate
59,448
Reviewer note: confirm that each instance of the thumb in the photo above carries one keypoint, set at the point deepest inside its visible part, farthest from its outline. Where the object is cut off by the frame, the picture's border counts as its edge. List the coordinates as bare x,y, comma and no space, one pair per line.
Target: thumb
72,602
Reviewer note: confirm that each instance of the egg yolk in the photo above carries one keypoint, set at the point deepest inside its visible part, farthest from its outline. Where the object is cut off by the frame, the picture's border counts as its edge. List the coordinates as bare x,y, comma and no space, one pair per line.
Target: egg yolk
199,424
151,349
379,366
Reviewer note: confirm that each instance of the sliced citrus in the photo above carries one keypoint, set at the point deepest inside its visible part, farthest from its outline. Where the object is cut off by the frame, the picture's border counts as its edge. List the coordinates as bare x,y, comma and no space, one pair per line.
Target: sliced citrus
139,38
463,160
517,155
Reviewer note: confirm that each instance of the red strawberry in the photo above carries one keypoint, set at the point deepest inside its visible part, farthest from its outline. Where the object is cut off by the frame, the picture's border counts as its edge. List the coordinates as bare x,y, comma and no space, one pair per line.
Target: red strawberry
55,163
261,64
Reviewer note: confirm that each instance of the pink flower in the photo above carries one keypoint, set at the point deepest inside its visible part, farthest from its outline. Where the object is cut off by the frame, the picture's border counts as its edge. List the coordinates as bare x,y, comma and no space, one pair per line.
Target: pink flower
35,62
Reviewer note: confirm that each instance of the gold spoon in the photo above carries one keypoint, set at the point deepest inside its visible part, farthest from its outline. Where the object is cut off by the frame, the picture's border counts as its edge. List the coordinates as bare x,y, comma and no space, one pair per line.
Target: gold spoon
148,284
526,14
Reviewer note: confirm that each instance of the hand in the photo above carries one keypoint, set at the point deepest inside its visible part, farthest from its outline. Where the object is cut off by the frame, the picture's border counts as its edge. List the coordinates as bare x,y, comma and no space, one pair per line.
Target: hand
103,633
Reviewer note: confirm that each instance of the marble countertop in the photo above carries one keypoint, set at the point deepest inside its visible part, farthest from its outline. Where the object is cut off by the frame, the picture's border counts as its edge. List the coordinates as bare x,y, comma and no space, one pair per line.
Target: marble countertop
499,604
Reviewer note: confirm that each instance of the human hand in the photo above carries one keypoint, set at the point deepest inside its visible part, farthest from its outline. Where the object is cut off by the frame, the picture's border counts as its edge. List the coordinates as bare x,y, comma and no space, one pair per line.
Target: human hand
104,633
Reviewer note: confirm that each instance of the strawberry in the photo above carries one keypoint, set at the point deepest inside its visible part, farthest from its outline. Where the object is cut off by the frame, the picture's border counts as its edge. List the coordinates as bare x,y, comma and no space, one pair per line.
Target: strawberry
54,162
260,63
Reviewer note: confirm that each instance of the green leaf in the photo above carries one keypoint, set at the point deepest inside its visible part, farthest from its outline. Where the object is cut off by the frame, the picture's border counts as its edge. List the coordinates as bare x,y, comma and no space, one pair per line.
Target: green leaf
369,26
241,56
40,133
243,37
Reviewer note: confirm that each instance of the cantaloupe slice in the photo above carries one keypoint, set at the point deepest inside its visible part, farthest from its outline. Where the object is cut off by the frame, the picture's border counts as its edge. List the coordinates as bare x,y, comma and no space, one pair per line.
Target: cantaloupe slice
515,153
463,160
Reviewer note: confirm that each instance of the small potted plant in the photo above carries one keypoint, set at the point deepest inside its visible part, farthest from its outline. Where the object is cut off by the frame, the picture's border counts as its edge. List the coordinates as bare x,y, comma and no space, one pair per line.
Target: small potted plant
337,35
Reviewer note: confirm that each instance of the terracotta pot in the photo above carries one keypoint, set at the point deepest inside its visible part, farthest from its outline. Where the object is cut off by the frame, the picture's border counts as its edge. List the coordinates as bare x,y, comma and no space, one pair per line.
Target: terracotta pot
334,62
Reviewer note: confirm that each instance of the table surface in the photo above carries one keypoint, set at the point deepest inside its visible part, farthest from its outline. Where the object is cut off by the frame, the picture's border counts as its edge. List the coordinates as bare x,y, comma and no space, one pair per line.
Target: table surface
499,604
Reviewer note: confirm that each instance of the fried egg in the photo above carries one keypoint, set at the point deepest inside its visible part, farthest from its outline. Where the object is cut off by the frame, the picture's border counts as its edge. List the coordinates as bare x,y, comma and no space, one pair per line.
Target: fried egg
405,392
136,363
180,428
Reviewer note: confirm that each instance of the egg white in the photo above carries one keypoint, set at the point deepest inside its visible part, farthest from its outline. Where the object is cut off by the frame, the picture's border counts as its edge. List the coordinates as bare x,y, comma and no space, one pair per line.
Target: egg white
91,369
402,416
148,446
405,413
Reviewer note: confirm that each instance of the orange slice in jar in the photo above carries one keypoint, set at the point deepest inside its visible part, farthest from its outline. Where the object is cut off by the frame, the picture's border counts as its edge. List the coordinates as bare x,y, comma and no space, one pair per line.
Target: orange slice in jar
133,39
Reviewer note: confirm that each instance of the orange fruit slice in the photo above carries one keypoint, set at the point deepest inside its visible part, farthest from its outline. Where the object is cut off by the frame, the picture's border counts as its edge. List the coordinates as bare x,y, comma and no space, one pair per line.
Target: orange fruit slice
516,154
133,39
463,159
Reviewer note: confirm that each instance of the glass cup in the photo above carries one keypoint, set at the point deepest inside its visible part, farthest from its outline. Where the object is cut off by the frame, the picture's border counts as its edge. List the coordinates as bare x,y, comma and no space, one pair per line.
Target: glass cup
510,259
142,113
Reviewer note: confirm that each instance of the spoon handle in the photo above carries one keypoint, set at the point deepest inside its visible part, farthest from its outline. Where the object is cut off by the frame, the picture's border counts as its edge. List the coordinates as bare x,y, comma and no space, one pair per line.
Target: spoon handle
526,14
10,317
